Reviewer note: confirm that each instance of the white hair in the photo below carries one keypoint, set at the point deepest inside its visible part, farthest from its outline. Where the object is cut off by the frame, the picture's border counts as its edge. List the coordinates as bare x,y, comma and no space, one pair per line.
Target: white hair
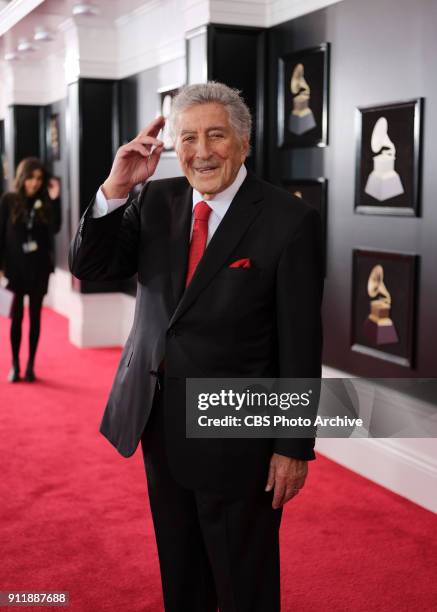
213,92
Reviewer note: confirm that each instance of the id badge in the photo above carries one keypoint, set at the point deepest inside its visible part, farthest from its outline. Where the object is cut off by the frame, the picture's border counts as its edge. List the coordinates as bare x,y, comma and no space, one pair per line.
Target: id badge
30,246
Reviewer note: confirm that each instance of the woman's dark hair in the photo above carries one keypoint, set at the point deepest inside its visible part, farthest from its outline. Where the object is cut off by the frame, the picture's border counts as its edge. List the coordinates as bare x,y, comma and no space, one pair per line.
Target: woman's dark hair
25,170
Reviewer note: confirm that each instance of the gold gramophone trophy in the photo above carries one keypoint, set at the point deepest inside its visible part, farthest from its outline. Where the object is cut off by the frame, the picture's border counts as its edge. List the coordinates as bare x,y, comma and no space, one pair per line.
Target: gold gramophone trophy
301,118
378,327
383,182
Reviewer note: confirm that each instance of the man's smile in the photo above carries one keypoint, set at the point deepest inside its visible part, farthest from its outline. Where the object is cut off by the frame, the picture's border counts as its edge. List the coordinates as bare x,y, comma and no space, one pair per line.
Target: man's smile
206,170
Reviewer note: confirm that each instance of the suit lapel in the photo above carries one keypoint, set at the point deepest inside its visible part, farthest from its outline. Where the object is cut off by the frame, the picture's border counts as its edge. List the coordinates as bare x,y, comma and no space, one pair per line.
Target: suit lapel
180,241
241,213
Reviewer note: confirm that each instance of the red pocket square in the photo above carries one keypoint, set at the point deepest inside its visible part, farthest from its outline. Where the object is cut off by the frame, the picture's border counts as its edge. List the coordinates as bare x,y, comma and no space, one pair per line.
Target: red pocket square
241,263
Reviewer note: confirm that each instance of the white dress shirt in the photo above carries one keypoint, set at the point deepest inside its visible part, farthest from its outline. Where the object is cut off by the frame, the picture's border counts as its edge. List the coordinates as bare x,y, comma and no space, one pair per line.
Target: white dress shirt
219,204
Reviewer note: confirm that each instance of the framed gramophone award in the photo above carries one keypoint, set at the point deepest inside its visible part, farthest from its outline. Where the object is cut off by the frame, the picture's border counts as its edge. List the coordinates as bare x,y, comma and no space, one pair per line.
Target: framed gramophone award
313,192
166,95
384,304
388,158
303,79
53,138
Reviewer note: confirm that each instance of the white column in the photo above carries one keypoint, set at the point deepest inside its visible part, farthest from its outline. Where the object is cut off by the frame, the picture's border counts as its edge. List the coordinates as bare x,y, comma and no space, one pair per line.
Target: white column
91,48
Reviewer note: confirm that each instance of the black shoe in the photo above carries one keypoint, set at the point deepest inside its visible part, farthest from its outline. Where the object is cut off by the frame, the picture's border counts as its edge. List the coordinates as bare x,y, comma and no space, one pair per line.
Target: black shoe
14,375
29,376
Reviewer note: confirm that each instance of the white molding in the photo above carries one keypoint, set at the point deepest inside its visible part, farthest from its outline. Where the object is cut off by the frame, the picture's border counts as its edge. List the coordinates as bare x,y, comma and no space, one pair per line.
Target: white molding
399,469
144,9
151,57
196,13
406,466
98,69
91,50
144,43
283,10
58,83
96,319
15,11
195,32
258,13
60,293
235,12
3,92
38,83
132,43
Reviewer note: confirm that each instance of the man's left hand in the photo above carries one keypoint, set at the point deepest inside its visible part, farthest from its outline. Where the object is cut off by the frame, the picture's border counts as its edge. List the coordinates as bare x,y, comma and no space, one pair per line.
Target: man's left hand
287,477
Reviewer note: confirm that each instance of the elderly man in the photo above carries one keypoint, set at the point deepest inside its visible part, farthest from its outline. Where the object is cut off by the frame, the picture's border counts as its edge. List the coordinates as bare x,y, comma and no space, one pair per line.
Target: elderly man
229,285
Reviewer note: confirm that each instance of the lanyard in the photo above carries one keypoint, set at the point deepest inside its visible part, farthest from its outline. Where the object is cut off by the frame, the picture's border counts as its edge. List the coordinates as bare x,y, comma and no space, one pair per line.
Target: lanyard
29,223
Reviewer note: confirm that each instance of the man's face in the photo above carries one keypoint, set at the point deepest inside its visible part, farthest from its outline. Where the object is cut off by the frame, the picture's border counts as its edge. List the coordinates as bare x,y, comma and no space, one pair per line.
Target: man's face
210,151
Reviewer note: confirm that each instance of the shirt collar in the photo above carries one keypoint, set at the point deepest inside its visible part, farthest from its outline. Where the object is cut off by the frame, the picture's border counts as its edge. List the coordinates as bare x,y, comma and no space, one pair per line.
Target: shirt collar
221,201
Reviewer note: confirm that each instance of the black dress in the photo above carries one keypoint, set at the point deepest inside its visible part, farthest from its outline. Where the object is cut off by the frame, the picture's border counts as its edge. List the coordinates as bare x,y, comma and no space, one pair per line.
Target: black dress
28,272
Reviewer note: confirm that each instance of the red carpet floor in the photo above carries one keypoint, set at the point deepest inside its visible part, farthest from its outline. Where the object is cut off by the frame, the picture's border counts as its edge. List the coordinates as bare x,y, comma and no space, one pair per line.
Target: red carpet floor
74,515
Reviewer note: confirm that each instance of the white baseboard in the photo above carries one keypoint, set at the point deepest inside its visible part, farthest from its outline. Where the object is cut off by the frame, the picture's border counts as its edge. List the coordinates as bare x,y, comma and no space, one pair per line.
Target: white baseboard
95,319
406,466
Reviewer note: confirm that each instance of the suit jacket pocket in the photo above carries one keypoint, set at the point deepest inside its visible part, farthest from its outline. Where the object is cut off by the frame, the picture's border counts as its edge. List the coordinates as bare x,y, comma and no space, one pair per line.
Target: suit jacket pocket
239,274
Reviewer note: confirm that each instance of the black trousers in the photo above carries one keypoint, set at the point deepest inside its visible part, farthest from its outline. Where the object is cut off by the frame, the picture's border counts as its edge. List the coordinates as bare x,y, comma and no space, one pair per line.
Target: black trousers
213,551
35,306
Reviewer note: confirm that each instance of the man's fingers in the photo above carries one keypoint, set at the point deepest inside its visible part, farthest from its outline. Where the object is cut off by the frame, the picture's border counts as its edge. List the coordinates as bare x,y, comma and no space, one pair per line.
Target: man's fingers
153,128
270,477
293,488
300,482
297,483
290,493
134,147
279,493
287,476
148,141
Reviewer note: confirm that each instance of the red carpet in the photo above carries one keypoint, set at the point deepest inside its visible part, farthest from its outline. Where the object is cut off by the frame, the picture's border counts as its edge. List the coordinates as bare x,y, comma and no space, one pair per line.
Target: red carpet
74,515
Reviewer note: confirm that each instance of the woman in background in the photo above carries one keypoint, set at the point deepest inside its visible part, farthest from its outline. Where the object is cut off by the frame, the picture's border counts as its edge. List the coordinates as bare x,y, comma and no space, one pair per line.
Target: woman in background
29,218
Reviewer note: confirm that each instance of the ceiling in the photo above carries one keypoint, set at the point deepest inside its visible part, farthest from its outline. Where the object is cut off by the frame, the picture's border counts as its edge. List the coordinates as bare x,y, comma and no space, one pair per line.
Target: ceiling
50,14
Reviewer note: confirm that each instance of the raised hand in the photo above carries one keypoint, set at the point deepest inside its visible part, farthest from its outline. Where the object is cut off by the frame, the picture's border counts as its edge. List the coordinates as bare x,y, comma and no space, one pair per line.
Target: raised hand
54,188
135,161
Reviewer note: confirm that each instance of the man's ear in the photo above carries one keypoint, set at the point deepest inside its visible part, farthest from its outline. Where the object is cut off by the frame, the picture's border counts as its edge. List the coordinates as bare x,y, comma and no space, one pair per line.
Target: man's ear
245,145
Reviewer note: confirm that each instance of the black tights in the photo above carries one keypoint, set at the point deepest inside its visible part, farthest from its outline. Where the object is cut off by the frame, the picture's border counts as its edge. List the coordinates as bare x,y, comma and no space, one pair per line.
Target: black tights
35,305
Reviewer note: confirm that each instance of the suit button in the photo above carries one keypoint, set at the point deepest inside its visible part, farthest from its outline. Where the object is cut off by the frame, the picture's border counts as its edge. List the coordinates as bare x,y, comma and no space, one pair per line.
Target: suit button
174,331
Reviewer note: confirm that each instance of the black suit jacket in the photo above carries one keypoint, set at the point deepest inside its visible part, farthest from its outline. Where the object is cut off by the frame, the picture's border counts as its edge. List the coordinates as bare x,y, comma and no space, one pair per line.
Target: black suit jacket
263,321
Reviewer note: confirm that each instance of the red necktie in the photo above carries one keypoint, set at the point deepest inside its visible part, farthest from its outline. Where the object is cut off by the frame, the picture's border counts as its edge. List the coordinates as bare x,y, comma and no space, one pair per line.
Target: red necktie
198,238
